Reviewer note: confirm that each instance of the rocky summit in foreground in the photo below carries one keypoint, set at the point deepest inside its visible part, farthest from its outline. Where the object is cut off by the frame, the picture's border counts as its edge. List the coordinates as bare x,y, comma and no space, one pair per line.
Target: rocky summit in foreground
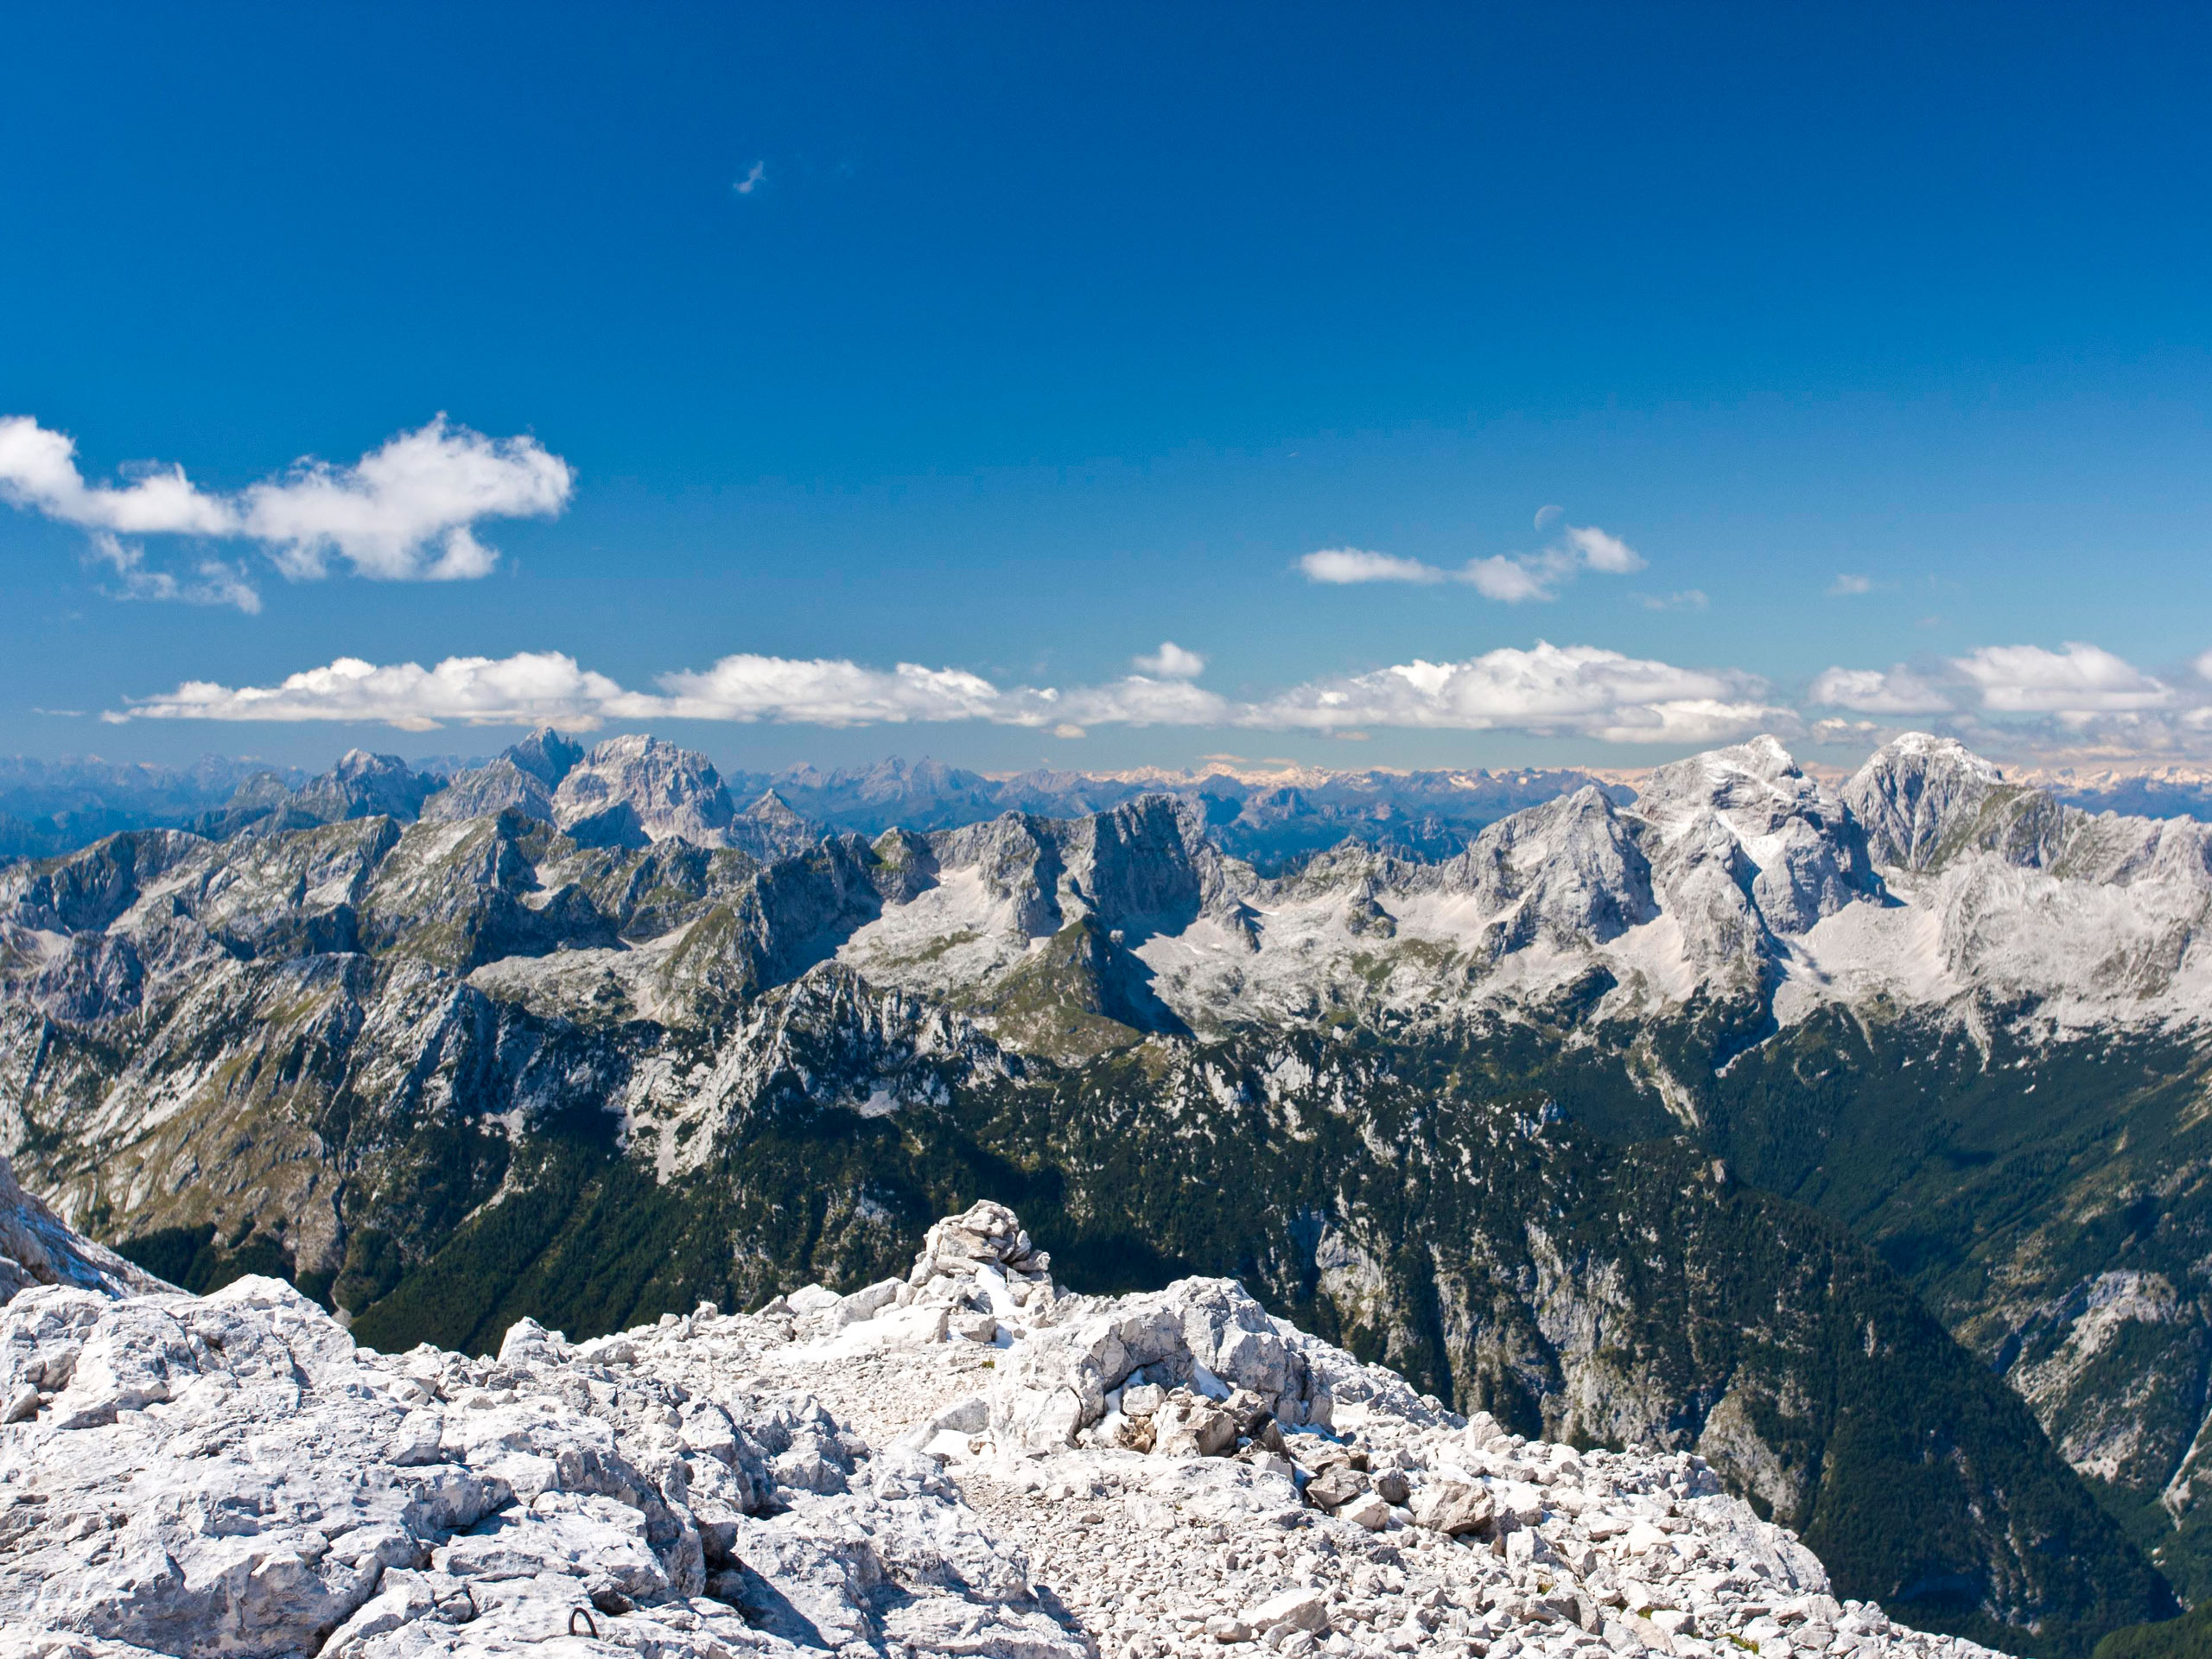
969,1461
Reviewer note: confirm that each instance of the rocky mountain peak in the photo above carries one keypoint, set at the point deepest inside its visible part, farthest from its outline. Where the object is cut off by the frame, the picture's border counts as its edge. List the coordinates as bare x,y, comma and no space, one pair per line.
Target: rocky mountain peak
546,755
1760,779
1918,795
769,829
487,790
631,789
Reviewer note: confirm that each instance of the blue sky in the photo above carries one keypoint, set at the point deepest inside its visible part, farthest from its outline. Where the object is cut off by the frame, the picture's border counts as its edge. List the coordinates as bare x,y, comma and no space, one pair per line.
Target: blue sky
1876,338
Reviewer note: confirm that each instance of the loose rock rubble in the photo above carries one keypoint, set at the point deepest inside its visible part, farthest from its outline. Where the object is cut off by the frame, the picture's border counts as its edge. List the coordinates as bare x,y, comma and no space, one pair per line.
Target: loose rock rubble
966,1462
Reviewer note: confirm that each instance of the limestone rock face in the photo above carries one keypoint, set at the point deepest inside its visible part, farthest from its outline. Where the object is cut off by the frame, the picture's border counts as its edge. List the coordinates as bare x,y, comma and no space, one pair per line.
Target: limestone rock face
1915,797
37,1249
852,1474
487,791
630,791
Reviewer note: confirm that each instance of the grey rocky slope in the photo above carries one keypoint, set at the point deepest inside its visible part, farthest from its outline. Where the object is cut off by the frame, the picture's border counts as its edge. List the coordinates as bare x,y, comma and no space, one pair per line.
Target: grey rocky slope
38,1247
416,1065
964,1461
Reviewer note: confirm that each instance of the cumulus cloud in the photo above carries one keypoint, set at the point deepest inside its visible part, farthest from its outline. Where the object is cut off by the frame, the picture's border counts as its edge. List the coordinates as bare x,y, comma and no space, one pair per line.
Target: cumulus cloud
1578,689
38,471
1138,701
1508,578
1171,662
407,511
531,687
828,691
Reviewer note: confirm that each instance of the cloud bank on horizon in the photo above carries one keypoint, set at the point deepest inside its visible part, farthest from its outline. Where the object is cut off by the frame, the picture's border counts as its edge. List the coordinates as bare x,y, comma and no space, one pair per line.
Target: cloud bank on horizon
408,510
405,511
2023,696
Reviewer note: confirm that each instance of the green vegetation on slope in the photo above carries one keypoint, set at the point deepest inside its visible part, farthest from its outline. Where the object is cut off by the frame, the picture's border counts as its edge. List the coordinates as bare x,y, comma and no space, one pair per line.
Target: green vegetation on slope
1405,1204
2187,1637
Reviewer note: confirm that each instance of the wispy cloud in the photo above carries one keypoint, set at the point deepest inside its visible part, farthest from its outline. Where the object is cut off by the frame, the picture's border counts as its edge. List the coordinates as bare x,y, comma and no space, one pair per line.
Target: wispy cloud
1340,565
407,511
1683,599
218,583
755,176
1508,578
1846,585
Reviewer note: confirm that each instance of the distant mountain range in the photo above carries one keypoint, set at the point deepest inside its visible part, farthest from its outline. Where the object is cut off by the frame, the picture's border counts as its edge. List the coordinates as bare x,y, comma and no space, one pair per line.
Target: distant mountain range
1270,816
1852,1135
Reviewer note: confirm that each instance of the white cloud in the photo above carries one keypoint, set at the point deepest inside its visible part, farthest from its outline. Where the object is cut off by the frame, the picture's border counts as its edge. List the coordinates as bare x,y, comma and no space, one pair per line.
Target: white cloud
1171,662
1574,689
407,511
828,691
531,687
1511,580
218,583
1846,585
1137,700
2080,680
2074,686
1603,552
1578,689
38,471
1350,564
2079,700
1508,578
755,176
1897,690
